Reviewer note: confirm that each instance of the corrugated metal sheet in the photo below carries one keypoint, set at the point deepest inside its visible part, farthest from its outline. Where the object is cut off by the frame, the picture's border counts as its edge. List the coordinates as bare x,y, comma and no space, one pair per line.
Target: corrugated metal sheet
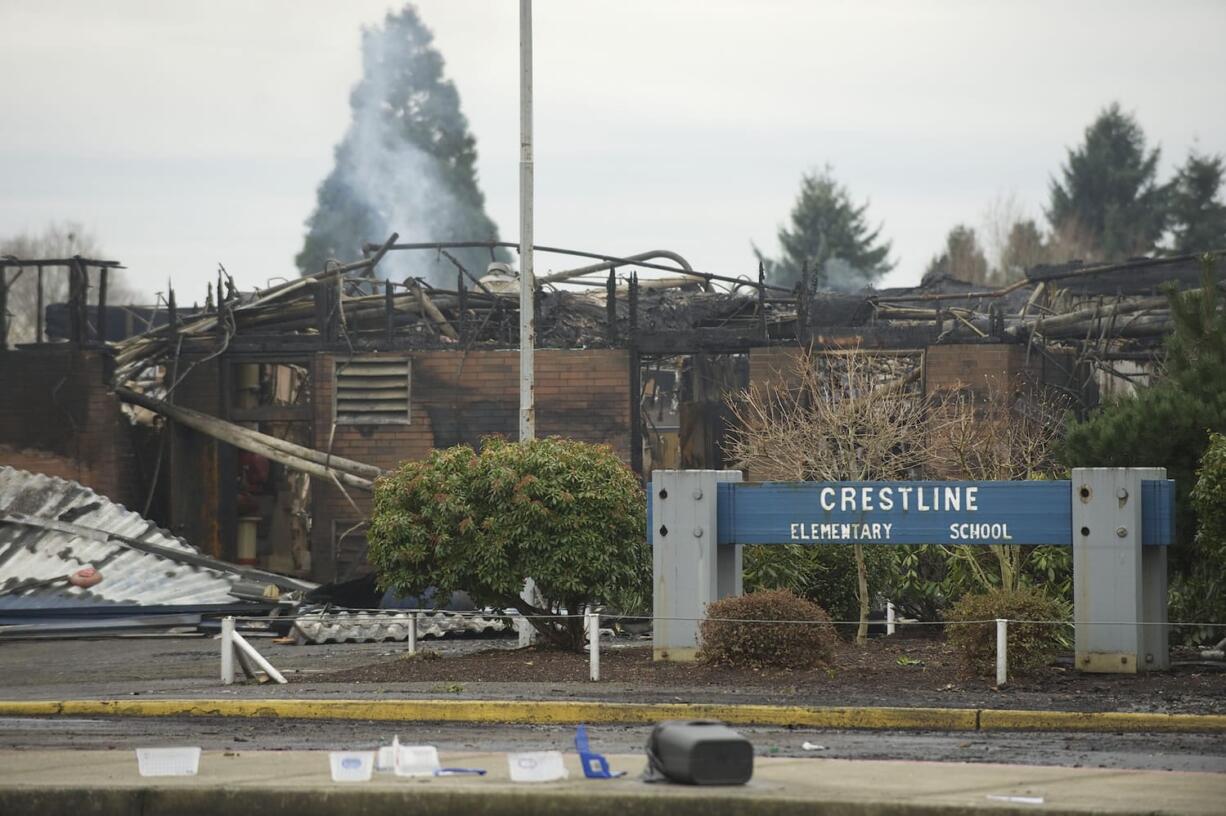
129,576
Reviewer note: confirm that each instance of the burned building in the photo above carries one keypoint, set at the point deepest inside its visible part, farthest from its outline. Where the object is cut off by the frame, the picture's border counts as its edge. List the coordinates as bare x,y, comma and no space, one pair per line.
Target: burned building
253,426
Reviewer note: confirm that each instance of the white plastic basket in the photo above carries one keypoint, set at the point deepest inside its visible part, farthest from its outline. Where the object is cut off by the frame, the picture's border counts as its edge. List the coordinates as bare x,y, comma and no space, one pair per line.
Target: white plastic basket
416,760
352,766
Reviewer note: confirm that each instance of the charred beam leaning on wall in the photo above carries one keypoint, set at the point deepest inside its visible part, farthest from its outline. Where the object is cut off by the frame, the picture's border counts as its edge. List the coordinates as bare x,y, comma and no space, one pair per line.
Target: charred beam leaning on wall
316,463
636,379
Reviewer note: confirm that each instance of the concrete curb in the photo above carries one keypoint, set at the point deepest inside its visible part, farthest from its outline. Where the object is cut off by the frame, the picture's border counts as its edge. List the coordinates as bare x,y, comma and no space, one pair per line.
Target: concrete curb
601,713
1113,721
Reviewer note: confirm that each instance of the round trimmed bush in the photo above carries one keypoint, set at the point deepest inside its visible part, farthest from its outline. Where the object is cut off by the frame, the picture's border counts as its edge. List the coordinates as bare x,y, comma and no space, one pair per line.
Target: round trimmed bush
1031,645
731,635
568,514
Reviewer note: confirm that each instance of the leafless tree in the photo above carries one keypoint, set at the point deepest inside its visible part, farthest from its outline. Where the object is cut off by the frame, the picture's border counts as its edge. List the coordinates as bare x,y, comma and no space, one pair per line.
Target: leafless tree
834,417
59,240
1014,241
1007,430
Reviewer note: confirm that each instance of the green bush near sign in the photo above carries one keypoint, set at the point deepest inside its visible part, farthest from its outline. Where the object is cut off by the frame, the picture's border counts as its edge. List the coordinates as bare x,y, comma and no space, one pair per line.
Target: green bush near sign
568,514
824,575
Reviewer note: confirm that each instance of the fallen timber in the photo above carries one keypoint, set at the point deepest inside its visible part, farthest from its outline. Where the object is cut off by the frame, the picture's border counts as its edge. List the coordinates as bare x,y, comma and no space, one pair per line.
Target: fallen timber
308,460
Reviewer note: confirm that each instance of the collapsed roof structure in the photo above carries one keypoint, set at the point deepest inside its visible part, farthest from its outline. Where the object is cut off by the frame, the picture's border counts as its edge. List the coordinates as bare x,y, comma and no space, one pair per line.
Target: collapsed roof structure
50,529
343,374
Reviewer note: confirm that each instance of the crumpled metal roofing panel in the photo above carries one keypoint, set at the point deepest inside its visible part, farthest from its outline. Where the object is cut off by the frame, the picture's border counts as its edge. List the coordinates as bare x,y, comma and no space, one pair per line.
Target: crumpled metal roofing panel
129,576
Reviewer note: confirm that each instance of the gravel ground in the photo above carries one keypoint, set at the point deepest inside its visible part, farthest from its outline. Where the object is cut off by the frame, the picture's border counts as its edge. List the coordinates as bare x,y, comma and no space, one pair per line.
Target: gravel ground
492,668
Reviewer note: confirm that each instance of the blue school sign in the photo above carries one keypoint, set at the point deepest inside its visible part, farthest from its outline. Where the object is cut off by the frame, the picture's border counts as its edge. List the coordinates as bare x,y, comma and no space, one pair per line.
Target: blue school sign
1118,521
1037,512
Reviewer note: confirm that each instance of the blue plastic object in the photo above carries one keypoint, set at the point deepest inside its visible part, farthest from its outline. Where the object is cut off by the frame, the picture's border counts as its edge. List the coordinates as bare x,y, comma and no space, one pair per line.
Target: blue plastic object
595,766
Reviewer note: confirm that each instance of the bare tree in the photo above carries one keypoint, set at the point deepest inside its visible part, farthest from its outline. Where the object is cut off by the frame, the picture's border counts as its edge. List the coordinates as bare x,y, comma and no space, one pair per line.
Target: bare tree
1014,240
834,417
1008,431
57,240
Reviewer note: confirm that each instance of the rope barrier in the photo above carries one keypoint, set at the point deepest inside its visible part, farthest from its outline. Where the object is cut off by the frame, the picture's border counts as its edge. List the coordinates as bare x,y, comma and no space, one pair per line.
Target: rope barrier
591,619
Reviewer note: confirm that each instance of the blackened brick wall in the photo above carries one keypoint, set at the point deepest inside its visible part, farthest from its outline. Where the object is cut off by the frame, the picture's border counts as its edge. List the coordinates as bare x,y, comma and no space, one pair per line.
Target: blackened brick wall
58,416
458,397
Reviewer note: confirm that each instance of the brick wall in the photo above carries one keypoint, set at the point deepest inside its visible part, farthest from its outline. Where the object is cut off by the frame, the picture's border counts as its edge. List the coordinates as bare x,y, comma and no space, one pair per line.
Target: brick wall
458,397
980,367
773,366
59,417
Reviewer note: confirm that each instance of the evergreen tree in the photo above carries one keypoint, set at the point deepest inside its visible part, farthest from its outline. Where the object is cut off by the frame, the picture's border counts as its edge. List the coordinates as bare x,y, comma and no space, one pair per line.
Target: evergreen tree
1108,205
1168,424
830,236
407,162
963,258
1197,213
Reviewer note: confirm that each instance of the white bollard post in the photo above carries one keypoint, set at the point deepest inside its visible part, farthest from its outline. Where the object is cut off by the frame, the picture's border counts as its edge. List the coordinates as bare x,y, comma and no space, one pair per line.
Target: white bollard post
227,650
413,634
889,617
593,641
1002,651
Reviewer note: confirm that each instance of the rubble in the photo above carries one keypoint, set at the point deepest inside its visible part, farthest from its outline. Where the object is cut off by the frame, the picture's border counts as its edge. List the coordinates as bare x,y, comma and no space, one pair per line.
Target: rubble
52,530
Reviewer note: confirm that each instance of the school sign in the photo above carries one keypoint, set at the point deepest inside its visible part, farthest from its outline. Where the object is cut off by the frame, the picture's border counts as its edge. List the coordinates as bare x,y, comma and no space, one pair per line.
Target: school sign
1117,520
918,512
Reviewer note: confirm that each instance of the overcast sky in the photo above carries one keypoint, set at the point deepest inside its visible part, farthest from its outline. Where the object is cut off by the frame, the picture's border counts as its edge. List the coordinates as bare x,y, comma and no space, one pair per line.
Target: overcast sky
186,134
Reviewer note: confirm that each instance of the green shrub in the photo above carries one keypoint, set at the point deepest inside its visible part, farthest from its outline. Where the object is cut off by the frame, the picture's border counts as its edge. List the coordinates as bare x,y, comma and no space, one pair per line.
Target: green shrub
1166,425
761,645
824,574
1031,645
568,514
1202,597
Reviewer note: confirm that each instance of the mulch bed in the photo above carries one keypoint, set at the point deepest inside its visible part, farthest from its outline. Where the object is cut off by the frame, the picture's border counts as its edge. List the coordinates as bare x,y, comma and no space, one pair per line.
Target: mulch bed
891,671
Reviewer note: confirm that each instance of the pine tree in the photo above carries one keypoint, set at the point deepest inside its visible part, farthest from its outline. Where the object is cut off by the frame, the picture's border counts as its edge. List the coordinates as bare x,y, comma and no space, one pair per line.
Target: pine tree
407,162
1168,424
1108,205
963,258
1197,213
830,236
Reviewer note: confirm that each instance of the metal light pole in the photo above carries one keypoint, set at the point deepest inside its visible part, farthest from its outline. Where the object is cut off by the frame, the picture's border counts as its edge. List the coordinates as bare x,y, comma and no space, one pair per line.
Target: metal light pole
527,282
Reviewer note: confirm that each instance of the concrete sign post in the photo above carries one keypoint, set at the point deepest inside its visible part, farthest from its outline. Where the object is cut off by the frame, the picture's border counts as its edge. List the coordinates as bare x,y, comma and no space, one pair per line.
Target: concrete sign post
1119,586
1118,521
689,569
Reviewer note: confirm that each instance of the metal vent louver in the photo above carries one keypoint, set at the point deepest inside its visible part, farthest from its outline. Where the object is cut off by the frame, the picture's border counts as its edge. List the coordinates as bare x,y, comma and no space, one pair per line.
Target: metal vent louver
373,391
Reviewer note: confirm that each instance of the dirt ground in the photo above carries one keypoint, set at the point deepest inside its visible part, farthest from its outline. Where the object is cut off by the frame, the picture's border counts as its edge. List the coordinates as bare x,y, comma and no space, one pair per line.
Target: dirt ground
895,671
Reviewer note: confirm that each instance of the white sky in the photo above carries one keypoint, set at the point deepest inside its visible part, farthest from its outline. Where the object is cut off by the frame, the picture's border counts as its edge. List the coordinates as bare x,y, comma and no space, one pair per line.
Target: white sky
184,134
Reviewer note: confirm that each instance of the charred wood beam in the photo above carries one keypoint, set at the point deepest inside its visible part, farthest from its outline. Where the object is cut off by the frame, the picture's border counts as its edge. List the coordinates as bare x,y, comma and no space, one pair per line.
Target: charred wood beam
611,305
389,311
988,293
636,380
77,285
4,309
762,301
100,320
1082,317
299,457
431,311
38,320
9,260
